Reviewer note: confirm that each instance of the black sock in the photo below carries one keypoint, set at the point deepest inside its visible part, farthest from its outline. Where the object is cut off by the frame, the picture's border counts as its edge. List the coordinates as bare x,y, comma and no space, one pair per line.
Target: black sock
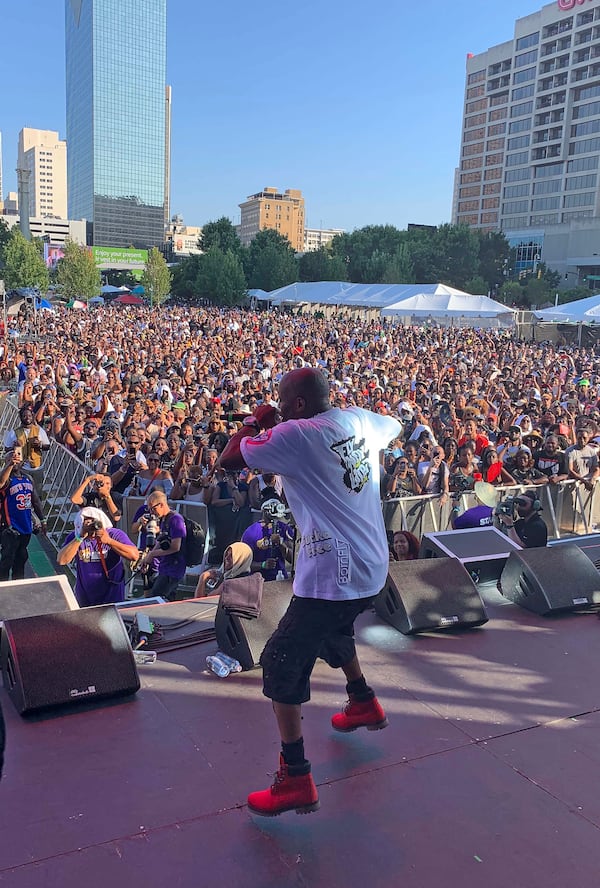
359,690
293,756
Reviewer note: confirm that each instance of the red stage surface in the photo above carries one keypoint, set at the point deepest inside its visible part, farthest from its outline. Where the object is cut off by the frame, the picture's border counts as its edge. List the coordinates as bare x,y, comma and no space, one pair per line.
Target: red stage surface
487,774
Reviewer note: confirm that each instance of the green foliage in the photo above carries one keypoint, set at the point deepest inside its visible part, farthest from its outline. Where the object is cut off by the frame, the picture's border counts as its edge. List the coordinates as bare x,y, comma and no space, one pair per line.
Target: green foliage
221,234
477,286
184,277
4,238
494,258
367,251
23,264
458,251
220,277
156,278
77,273
511,293
320,265
271,262
122,278
399,269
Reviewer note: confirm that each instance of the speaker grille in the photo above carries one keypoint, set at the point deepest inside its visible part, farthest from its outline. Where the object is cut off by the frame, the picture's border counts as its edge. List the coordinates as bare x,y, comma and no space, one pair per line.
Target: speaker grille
67,658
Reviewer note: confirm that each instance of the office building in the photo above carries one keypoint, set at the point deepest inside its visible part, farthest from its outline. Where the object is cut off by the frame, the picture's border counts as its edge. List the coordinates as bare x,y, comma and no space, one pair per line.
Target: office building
316,238
181,239
116,119
530,148
52,230
271,209
44,155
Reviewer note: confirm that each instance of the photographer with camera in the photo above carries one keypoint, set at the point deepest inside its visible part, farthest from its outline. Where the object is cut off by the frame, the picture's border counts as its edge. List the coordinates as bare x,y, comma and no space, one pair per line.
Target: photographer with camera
271,541
520,519
167,548
146,528
19,497
95,490
99,550
124,469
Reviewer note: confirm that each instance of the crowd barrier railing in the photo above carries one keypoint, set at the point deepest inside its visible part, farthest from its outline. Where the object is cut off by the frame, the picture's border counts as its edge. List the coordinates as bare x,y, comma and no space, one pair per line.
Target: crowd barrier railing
568,509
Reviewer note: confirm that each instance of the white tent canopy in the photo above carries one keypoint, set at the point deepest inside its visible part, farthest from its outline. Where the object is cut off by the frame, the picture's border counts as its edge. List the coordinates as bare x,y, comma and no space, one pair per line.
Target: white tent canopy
449,304
583,311
418,300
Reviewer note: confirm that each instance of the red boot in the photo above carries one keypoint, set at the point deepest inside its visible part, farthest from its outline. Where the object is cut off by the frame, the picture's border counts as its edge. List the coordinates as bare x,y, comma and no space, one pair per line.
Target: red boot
286,793
369,715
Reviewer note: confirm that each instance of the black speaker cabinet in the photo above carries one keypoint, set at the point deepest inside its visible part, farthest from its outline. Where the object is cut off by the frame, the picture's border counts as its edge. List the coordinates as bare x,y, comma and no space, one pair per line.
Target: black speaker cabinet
245,638
33,597
64,658
429,594
551,580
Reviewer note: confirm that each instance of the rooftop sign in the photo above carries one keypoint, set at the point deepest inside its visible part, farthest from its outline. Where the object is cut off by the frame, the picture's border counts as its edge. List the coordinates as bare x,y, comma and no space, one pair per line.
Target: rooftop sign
566,5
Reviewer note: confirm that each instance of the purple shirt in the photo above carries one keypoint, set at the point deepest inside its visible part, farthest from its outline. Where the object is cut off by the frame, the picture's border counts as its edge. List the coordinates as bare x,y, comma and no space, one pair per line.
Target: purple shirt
478,516
173,565
256,532
93,586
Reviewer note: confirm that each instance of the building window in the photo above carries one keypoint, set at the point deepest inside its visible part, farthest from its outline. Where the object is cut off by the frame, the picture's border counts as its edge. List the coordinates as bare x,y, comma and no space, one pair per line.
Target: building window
529,40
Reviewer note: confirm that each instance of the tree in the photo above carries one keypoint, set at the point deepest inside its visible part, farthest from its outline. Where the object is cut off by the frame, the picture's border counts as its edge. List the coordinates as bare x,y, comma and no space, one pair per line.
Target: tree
458,251
23,264
271,262
511,293
367,251
77,273
184,277
320,265
4,238
494,258
477,286
220,277
156,278
221,234
399,269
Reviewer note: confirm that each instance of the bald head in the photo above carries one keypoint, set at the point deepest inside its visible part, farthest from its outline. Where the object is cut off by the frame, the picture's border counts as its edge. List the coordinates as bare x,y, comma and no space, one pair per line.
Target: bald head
303,393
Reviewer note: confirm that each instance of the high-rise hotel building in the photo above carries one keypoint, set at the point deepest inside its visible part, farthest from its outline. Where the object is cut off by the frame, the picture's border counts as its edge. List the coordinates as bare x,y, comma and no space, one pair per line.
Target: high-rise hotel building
116,119
530,148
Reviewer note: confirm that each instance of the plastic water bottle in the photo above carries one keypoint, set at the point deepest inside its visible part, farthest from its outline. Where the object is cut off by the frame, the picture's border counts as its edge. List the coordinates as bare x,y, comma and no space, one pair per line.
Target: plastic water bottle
218,666
234,665
280,577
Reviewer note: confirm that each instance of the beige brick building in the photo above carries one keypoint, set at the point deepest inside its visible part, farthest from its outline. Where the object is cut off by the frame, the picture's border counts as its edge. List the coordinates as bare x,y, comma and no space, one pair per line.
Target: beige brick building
272,209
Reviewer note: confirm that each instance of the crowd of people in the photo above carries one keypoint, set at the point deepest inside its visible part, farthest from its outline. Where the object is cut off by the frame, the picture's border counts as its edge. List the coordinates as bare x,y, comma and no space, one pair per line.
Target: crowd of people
148,399
239,410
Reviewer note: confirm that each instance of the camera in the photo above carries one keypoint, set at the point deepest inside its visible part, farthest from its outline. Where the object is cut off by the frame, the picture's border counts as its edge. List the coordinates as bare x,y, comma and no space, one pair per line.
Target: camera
152,530
163,540
507,506
462,483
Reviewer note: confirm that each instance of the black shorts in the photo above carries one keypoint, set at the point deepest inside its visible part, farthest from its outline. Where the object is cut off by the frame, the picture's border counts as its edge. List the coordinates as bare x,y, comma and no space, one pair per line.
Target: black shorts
310,628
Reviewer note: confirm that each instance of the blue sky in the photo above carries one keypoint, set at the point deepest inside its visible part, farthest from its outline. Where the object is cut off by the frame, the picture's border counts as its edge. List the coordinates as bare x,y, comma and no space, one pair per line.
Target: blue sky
358,106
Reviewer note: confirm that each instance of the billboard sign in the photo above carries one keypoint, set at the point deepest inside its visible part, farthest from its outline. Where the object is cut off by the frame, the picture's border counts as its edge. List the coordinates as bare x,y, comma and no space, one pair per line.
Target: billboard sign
52,254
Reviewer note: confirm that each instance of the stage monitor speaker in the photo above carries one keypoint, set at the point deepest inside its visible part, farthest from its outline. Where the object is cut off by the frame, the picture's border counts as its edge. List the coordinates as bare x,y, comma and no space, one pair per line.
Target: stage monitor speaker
551,580
243,638
429,594
34,597
66,658
482,550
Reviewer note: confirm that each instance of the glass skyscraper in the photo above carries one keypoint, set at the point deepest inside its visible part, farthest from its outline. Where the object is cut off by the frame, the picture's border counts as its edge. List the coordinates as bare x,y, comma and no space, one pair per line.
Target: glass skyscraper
115,80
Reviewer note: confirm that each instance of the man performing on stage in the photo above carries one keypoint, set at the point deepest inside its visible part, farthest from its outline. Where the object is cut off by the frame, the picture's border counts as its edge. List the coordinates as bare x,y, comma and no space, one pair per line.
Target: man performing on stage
329,461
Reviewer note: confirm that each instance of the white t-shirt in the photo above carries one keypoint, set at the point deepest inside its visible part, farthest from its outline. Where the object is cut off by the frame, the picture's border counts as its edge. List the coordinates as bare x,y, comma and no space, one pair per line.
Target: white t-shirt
330,468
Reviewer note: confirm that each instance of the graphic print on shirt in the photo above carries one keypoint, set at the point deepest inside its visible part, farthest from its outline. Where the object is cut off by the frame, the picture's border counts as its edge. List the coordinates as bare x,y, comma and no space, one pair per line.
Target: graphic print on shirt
355,462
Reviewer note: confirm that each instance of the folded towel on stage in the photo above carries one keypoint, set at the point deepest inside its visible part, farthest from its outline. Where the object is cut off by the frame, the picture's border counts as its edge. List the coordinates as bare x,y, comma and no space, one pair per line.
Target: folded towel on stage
243,595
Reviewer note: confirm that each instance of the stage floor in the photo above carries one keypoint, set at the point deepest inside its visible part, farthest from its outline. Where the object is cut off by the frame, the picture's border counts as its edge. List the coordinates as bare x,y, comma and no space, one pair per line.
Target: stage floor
487,774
